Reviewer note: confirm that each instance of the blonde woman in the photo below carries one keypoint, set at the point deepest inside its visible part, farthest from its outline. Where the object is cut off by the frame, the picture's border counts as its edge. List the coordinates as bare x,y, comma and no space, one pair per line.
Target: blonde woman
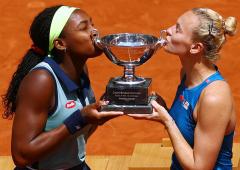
201,120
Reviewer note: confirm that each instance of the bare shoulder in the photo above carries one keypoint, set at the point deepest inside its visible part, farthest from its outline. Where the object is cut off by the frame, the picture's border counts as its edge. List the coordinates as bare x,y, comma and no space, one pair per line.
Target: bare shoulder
217,90
216,99
38,85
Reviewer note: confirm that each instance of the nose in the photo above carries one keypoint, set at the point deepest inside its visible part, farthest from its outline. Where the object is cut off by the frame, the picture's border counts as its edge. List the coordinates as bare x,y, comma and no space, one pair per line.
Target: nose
169,31
92,29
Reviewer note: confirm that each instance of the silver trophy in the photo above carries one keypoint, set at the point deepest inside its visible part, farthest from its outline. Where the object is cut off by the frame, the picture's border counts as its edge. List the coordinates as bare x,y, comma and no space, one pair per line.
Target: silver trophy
129,93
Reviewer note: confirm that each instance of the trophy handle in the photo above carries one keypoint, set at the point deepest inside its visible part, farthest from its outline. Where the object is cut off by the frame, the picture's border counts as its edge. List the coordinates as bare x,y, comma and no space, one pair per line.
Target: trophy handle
97,41
147,55
161,40
95,37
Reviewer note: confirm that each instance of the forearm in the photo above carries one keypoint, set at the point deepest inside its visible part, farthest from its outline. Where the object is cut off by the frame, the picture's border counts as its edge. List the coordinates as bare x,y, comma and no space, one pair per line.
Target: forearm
92,130
28,152
207,138
182,149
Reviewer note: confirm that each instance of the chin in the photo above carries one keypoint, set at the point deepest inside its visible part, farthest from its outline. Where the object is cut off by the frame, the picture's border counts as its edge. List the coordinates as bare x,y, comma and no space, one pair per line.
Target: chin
168,50
96,54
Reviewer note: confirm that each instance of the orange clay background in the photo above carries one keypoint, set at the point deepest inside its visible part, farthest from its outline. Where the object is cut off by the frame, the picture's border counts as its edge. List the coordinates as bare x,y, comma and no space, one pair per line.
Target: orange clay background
118,136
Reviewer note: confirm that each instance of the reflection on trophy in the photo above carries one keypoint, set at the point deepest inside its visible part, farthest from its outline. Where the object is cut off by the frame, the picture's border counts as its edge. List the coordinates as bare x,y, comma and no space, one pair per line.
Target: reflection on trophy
128,93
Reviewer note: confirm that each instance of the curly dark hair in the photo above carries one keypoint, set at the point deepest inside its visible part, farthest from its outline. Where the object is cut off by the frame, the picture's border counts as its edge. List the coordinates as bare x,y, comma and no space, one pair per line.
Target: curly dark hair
39,33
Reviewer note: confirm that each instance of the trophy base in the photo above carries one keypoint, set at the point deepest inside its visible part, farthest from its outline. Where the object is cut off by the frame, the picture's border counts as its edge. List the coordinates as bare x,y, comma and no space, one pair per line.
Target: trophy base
131,109
128,94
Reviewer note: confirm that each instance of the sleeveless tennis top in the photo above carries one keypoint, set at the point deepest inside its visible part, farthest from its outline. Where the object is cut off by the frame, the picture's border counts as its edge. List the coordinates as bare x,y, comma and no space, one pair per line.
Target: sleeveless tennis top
182,113
68,99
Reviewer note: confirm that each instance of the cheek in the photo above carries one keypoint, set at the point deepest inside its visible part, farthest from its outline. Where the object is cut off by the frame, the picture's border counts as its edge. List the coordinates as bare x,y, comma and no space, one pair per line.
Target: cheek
87,48
87,44
178,45
177,41
83,44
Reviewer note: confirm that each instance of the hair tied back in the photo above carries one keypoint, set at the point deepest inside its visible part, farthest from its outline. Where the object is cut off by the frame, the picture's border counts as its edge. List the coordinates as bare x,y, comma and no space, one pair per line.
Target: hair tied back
224,26
37,50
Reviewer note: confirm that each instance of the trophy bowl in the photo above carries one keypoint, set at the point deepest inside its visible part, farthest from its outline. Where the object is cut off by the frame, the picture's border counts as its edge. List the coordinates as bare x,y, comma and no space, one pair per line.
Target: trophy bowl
129,92
129,49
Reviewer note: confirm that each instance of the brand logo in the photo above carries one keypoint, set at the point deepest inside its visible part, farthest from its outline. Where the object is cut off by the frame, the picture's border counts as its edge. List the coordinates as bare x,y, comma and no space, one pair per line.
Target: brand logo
70,104
208,81
78,127
184,102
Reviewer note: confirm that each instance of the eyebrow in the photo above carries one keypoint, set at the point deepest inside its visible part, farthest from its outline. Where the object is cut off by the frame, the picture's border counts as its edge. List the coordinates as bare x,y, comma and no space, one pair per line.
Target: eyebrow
85,21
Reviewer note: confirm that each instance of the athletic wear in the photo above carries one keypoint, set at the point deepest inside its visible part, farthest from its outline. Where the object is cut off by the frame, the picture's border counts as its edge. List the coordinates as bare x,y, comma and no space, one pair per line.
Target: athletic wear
182,113
69,99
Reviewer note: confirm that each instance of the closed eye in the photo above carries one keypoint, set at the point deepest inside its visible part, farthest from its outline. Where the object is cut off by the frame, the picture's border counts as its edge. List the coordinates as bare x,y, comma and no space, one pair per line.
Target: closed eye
85,24
91,22
178,28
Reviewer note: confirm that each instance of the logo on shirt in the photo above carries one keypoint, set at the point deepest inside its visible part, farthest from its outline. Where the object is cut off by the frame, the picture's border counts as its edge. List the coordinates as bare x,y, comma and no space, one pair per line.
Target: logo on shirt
208,81
78,127
184,102
70,104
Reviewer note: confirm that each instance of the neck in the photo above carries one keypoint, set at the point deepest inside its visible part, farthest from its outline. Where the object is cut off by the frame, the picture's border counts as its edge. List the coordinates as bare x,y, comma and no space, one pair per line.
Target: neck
73,67
196,71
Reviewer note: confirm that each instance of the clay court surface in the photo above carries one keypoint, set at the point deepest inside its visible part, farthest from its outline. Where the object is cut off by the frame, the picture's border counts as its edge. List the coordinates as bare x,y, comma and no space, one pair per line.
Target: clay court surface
118,136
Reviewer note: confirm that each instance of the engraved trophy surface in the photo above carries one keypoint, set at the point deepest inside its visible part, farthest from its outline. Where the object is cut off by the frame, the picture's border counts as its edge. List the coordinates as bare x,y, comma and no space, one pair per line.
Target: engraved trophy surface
128,93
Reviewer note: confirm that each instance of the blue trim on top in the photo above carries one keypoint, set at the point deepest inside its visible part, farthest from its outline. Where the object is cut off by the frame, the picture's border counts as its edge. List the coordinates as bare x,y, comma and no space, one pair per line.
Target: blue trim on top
83,90
204,82
65,80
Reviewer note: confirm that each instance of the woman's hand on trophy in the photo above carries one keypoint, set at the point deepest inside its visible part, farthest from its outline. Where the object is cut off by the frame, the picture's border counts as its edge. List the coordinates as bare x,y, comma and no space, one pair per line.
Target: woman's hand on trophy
103,96
92,114
160,100
159,114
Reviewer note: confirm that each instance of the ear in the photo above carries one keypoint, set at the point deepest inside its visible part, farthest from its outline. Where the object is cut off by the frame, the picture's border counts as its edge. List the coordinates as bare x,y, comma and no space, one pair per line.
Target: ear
59,44
196,48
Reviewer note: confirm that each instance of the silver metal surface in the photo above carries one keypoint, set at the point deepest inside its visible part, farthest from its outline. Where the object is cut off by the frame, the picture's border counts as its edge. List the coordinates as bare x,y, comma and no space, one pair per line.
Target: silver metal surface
128,50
